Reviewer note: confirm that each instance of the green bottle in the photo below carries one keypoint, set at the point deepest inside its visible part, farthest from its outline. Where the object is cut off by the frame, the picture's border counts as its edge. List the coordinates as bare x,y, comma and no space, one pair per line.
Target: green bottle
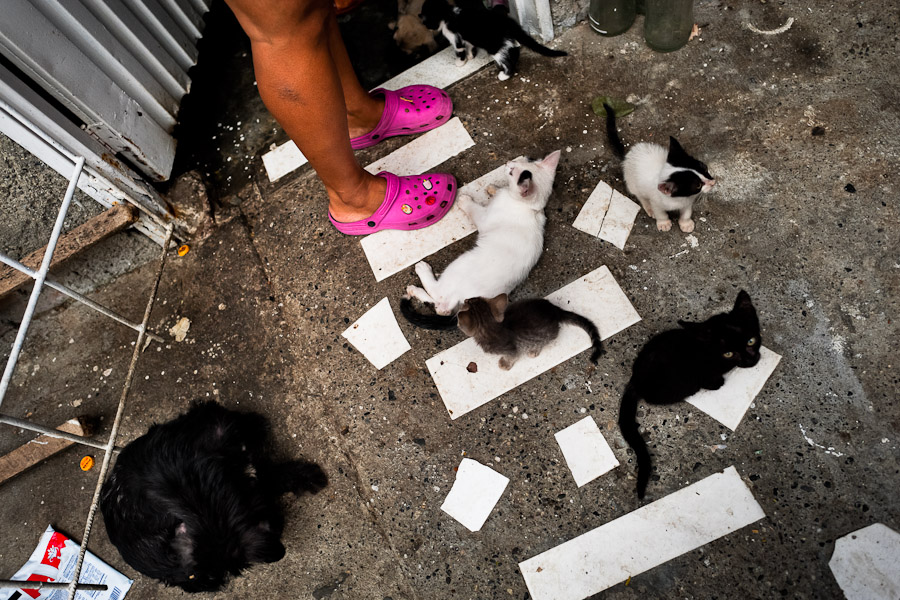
668,23
611,17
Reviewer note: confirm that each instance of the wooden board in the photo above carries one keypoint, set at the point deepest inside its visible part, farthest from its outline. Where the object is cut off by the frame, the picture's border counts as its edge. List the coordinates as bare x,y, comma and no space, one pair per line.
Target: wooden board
34,451
103,225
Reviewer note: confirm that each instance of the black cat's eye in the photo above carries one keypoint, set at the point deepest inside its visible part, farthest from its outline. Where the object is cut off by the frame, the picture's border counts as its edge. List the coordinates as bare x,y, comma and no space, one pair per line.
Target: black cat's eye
751,341
728,354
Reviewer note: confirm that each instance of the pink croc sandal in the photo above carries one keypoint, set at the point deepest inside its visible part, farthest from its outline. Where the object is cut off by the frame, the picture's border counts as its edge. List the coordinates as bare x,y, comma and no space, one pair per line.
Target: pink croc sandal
409,110
410,202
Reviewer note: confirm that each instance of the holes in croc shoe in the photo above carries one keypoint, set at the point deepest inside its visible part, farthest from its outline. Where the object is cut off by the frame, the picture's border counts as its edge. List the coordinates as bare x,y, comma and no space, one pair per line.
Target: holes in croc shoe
371,223
443,203
449,187
405,110
429,217
376,136
439,117
407,191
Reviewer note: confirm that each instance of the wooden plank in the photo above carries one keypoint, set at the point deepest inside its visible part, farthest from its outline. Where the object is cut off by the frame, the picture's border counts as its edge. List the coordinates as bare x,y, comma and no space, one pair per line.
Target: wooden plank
40,448
103,225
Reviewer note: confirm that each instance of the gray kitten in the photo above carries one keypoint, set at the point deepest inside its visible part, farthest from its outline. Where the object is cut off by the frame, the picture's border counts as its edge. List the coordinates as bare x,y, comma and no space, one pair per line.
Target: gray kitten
523,326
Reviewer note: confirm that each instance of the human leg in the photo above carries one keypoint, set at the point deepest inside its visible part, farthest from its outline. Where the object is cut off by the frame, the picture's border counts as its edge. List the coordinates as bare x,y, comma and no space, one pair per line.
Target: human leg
302,84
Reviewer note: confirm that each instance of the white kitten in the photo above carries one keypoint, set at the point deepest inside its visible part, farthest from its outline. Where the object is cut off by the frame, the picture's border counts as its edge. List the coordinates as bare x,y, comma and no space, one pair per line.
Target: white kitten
510,240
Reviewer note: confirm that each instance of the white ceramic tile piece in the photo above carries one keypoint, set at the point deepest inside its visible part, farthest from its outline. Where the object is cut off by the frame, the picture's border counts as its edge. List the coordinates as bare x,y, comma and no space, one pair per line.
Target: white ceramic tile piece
590,218
728,404
643,539
282,160
426,151
866,563
586,451
377,335
619,220
596,295
390,251
439,70
474,494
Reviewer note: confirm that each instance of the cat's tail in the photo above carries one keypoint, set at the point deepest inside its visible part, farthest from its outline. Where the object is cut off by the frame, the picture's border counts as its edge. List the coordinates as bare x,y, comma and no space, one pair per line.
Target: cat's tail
612,133
587,325
531,43
438,322
629,427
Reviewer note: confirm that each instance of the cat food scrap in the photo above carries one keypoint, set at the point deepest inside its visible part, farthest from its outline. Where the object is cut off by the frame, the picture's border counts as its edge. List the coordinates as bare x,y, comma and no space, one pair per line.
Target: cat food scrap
695,32
180,329
472,367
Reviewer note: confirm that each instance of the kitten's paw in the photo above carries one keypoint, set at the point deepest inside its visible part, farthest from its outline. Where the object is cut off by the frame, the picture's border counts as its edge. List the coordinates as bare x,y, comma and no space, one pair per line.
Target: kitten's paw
686,226
503,76
715,383
664,225
491,190
461,62
505,364
422,269
534,353
649,212
410,292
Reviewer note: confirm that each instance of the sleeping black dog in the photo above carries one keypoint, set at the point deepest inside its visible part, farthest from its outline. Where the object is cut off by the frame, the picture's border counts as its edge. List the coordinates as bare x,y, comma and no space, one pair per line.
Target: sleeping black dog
195,499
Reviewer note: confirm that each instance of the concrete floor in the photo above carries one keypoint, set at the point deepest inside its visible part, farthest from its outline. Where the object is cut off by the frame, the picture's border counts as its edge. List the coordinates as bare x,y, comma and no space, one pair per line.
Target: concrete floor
270,292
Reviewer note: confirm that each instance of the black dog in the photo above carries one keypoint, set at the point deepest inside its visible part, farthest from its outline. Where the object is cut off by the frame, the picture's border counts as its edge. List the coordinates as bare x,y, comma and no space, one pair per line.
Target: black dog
195,499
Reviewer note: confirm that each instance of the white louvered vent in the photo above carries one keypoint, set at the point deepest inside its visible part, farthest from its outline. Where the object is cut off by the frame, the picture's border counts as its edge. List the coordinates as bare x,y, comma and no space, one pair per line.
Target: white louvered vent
119,65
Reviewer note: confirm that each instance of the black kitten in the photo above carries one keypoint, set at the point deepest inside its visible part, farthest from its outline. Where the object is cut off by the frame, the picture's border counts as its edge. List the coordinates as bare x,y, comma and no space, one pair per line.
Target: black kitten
662,180
195,499
469,25
679,363
524,326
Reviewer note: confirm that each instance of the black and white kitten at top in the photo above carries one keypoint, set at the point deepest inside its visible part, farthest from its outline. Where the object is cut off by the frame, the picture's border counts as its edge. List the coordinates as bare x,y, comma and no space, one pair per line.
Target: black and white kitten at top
468,25
678,363
662,180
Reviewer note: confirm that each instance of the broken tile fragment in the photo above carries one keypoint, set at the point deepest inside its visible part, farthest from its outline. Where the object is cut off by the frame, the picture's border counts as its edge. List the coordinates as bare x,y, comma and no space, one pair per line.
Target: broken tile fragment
377,335
586,452
474,494
866,563
729,403
645,538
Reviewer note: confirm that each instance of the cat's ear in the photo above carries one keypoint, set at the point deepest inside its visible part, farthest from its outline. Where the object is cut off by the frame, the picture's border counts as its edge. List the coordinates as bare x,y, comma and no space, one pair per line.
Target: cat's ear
743,305
498,306
666,187
551,160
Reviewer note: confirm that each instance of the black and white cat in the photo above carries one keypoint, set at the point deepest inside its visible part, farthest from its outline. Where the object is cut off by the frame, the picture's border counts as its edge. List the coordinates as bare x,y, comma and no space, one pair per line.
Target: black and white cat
510,242
195,499
469,25
523,327
679,363
662,180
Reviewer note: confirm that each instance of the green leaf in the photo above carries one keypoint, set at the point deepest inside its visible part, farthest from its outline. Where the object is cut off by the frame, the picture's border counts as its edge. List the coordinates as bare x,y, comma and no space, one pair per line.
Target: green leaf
620,107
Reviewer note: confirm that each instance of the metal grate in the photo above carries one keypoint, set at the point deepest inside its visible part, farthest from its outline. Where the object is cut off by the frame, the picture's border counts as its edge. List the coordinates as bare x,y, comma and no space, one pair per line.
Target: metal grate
40,280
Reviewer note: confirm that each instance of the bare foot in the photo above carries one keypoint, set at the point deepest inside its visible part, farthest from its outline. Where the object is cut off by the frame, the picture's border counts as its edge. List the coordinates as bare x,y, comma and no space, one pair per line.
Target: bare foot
357,204
686,226
664,225
365,120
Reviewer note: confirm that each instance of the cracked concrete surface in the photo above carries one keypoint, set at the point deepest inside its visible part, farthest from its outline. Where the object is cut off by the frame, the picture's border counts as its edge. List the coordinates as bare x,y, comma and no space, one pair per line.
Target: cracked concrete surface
270,292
